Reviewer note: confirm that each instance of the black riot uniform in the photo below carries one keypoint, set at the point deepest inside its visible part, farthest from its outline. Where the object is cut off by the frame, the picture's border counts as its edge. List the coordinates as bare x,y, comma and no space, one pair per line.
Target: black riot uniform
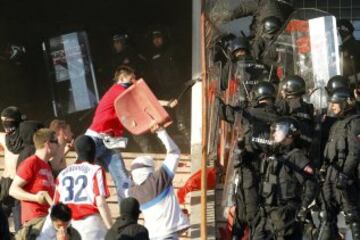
341,161
254,143
270,27
327,120
350,51
293,105
127,55
242,65
261,9
287,186
163,71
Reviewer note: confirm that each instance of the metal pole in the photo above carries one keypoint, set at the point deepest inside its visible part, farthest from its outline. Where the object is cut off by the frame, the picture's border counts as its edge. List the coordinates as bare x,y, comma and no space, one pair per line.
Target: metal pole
203,226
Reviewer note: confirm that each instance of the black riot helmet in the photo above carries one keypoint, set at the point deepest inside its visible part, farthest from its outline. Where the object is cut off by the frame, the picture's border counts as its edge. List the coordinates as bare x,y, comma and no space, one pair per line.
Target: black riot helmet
345,99
263,90
345,28
294,86
221,46
341,95
336,82
284,127
122,37
237,44
271,25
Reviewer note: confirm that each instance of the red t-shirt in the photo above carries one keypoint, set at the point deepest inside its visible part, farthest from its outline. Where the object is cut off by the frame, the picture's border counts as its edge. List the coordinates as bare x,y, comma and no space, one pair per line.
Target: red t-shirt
105,119
38,177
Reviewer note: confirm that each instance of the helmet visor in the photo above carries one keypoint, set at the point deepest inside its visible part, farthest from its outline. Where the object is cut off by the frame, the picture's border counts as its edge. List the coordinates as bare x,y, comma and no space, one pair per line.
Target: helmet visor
279,132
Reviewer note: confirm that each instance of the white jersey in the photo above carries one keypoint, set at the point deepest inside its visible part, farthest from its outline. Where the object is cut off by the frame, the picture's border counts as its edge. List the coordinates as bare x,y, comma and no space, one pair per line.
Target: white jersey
78,185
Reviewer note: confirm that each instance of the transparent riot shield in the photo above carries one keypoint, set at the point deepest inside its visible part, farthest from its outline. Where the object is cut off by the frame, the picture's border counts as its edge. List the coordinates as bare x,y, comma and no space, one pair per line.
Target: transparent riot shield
307,46
238,94
71,73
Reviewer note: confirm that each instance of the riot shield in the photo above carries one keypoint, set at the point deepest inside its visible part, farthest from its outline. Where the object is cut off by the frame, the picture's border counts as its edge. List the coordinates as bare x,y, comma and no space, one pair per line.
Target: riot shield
307,46
238,94
71,73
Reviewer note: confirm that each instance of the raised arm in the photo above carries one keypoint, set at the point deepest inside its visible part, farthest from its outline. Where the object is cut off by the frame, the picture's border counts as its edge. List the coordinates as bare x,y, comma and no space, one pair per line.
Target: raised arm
173,152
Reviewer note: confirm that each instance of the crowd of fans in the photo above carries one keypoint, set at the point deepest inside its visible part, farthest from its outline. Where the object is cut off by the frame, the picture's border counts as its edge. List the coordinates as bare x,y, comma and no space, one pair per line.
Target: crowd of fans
49,199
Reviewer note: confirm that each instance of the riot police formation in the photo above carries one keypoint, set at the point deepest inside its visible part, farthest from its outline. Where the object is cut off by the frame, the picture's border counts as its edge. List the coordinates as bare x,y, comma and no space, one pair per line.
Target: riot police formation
288,185
339,170
277,174
253,142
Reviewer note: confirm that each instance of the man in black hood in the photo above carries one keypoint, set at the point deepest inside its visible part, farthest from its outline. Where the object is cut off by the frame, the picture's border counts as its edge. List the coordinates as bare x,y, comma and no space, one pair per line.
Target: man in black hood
11,142
126,226
11,118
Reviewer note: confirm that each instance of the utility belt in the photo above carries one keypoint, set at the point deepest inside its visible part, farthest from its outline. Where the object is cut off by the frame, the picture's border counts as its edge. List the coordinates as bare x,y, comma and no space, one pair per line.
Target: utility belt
278,195
110,142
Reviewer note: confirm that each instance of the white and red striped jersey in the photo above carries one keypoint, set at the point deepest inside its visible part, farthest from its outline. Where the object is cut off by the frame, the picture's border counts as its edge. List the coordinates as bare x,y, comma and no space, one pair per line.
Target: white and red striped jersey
78,185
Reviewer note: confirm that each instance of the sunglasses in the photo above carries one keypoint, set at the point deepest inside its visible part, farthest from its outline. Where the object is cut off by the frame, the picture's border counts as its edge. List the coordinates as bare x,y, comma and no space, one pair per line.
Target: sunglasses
54,141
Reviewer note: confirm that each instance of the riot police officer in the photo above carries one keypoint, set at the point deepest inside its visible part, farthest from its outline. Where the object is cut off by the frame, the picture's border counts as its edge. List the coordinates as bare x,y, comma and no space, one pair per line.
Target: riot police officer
293,105
242,66
341,160
259,9
125,54
253,143
163,70
350,51
326,120
287,185
238,50
270,27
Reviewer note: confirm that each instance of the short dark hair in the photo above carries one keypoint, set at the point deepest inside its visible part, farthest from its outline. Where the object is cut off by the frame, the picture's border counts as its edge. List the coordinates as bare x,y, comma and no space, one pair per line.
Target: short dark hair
60,212
58,124
122,69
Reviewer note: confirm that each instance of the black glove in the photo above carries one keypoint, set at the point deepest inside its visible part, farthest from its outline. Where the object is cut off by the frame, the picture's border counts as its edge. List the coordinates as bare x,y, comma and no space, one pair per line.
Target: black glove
322,174
302,215
342,181
226,112
221,106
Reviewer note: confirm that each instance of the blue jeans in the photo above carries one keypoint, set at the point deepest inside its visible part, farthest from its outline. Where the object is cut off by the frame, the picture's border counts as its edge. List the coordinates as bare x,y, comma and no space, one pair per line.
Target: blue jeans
114,163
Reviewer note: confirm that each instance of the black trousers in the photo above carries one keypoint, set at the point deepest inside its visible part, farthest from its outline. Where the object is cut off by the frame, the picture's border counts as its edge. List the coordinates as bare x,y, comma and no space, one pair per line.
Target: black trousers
277,223
247,197
336,200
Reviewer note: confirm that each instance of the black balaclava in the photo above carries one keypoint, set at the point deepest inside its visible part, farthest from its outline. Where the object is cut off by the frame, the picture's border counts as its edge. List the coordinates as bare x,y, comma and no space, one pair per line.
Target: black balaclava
26,131
85,148
12,138
130,208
